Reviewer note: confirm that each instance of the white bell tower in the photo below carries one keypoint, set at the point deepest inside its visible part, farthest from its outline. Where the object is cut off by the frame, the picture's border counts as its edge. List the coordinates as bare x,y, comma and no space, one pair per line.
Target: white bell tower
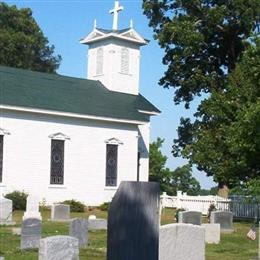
114,55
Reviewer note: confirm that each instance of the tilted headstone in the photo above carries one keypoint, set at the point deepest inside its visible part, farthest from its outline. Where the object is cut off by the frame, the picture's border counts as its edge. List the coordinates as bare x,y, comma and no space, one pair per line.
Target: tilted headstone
190,217
133,222
97,224
182,242
224,218
6,212
32,208
212,233
79,230
31,233
59,248
60,212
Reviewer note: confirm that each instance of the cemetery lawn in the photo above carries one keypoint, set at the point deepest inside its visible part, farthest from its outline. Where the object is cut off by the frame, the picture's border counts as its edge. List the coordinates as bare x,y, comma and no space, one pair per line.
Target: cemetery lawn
232,246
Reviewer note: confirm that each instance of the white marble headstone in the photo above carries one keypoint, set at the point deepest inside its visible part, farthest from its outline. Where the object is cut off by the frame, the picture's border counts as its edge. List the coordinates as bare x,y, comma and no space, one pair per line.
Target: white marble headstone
32,208
59,247
182,242
6,212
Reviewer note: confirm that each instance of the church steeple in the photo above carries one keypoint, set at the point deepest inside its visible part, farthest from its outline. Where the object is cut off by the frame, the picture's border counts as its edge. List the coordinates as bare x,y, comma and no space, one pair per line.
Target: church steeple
114,55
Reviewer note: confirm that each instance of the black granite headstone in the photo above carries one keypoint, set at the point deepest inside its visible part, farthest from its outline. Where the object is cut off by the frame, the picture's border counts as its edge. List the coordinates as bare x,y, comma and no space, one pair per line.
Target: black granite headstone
133,222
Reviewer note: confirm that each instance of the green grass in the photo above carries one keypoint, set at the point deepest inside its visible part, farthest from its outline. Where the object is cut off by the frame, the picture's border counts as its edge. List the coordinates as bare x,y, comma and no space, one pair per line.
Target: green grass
232,246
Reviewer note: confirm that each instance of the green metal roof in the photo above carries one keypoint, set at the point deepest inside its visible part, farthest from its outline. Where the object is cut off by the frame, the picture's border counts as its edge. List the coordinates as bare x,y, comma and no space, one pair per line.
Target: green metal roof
29,89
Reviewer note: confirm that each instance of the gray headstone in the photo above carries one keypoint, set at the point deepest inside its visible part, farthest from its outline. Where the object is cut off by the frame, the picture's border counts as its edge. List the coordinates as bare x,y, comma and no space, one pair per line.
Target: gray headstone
212,233
97,224
182,242
224,218
31,233
190,217
79,230
2,258
60,212
6,209
133,222
59,248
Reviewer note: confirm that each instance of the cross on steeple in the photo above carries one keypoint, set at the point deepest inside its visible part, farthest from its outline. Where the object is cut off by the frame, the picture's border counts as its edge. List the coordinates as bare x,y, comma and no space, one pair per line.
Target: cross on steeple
116,11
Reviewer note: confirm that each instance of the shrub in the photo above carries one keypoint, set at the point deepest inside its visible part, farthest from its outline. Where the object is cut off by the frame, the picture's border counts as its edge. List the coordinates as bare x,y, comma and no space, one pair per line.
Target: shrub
75,206
212,207
105,206
177,214
18,198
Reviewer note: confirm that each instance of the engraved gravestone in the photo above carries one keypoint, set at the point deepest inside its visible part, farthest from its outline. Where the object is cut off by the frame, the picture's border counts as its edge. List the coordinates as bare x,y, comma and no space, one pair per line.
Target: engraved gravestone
190,217
32,208
182,242
133,222
31,233
59,248
60,212
224,218
97,224
212,233
6,212
79,230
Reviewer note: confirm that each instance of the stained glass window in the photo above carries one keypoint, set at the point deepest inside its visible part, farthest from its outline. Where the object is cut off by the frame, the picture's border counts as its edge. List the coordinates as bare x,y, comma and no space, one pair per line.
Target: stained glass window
1,156
111,165
57,162
124,60
99,61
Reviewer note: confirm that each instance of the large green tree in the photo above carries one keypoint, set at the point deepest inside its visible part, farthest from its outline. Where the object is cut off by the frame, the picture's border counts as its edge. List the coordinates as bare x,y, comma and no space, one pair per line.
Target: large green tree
204,41
170,181
22,42
225,143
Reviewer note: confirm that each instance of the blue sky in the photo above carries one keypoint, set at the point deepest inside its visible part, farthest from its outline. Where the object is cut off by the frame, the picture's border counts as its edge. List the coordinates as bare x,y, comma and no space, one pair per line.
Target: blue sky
64,23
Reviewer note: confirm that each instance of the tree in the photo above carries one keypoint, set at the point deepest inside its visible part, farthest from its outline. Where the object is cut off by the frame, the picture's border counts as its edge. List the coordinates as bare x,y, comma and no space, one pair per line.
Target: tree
225,143
181,179
170,181
157,165
204,40
22,43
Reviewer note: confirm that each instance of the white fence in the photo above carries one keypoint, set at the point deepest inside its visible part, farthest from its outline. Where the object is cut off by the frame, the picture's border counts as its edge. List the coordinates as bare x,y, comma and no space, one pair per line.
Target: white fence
196,203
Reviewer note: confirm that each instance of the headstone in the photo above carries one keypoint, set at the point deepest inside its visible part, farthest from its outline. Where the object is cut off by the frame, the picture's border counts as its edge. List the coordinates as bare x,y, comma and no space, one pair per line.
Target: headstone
133,222
91,217
224,218
79,230
190,217
97,224
60,212
6,212
212,233
182,242
31,233
16,231
32,208
2,258
59,248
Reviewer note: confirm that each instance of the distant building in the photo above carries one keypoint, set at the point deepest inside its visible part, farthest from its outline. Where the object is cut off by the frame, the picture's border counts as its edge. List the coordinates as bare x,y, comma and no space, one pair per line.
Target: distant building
69,138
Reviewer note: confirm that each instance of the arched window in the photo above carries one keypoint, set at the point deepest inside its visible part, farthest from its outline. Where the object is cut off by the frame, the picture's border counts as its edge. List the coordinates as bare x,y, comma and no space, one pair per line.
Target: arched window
100,55
124,60
57,158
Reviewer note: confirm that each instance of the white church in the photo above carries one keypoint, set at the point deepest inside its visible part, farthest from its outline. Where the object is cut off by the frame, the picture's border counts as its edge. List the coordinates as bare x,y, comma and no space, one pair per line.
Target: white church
70,138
